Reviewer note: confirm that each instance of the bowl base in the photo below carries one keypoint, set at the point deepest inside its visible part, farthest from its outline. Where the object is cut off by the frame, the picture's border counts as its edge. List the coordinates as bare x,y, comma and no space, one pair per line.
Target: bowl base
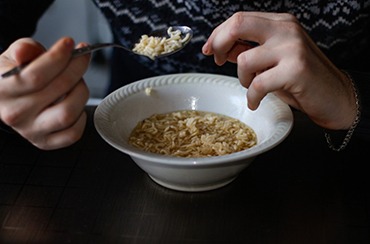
194,188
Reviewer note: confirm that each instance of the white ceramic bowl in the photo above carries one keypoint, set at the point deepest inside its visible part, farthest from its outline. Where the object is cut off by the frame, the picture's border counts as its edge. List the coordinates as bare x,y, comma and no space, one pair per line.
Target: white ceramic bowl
118,113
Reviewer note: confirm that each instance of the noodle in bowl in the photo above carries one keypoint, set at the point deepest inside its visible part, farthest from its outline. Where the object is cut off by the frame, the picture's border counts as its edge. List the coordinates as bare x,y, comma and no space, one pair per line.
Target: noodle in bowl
121,111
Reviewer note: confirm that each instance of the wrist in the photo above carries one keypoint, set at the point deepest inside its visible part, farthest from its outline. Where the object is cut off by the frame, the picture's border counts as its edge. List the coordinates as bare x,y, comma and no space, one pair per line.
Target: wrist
345,134
363,88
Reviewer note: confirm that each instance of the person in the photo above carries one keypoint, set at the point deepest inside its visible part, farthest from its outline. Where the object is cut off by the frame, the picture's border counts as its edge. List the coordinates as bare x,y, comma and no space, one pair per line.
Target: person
309,53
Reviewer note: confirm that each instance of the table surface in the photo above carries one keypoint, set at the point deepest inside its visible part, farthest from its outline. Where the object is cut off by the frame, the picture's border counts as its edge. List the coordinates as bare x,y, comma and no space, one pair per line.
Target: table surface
299,192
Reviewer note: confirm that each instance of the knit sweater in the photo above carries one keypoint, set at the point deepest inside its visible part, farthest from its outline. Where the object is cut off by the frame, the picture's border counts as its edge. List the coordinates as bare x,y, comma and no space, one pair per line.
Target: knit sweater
340,28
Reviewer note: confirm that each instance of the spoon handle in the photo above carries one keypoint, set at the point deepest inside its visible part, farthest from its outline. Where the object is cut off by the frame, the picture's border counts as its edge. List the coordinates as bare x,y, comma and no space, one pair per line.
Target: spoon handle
90,48
75,53
14,70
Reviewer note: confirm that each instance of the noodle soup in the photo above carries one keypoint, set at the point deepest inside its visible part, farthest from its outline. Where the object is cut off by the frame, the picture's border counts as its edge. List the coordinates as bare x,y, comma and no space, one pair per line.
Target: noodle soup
190,133
120,112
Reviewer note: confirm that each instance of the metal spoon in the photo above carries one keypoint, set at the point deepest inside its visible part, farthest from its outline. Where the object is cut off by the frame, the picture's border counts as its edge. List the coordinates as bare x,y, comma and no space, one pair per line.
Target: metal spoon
186,35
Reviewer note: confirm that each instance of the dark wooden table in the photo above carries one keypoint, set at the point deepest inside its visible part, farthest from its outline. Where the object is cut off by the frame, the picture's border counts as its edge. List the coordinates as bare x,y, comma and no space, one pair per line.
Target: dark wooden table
299,192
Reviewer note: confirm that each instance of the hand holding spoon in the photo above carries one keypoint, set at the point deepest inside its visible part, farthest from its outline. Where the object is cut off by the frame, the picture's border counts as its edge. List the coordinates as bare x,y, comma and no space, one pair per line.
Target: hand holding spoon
177,37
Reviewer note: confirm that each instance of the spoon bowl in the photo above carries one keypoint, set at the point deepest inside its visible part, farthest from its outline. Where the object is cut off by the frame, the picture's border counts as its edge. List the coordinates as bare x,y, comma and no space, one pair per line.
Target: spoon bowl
186,33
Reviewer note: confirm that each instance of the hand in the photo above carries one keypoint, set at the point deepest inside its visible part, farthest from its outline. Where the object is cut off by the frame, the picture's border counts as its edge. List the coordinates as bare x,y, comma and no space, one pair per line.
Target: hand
286,62
45,102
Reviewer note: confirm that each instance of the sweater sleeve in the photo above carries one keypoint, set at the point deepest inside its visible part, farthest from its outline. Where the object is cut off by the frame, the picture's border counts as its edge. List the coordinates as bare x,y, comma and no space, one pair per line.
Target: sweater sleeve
362,83
18,18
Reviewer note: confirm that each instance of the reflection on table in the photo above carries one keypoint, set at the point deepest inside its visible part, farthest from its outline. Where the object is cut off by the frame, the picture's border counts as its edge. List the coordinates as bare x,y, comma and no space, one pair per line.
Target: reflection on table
299,192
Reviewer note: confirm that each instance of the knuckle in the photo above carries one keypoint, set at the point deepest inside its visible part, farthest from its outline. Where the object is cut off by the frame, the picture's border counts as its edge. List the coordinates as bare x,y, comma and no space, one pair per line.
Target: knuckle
11,116
245,57
258,84
65,118
238,19
41,144
299,58
30,135
51,142
35,137
34,81
294,29
73,136
289,17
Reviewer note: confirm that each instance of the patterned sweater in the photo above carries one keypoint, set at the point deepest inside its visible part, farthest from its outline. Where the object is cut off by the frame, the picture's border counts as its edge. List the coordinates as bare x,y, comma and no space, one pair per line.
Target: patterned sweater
340,28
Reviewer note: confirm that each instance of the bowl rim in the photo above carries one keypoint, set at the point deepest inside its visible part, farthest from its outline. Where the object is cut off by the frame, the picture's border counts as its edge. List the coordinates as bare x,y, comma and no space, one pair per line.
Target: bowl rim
278,134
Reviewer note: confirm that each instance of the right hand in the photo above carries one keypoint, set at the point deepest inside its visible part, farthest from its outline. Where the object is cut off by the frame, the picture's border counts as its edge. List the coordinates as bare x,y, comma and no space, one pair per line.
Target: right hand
287,63
45,102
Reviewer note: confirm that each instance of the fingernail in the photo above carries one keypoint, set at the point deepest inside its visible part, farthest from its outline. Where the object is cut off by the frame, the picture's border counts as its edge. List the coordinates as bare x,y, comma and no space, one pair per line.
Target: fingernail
68,42
205,48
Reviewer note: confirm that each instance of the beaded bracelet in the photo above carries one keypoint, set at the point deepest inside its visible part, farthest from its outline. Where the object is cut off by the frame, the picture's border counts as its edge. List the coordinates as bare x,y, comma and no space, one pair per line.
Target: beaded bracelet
350,131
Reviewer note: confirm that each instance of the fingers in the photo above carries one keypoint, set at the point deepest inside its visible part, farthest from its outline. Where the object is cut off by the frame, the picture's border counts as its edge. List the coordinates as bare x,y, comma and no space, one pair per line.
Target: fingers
256,61
41,70
45,102
26,103
262,84
65,81
22,51
61,123
224,38
46,67
268,69
251,26
65,137
258,71
283,45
